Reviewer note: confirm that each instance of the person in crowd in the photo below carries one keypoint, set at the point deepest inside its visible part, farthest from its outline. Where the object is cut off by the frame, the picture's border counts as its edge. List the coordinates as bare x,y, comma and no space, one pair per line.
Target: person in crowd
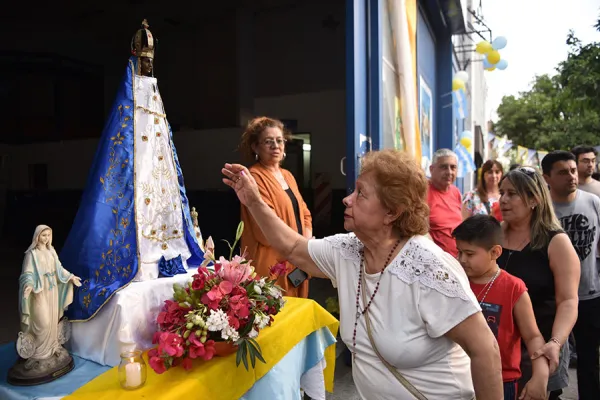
504,301
514,166
483,199
585,157
439,346
263,141
536,250
579,214
444,200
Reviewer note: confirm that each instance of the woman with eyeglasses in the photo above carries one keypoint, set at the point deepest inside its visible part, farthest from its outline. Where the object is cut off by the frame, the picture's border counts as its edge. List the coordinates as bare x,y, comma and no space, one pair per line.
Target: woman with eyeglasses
263,142
537,250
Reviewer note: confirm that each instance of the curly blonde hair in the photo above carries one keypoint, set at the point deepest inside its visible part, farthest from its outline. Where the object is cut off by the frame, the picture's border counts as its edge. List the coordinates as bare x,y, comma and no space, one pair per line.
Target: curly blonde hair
254,129
400,183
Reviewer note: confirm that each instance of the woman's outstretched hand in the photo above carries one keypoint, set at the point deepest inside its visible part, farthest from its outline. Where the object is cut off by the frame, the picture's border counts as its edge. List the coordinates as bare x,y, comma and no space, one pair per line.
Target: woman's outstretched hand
239,178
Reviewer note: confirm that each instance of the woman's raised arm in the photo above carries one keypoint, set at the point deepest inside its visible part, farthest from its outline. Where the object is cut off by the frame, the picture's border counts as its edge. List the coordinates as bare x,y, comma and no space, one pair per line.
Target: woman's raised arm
287,242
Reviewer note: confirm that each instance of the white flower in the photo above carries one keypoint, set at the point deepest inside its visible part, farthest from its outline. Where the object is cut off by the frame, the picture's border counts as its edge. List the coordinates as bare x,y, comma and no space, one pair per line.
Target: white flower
261,320
252,334
261,282
281,302
217,320
257,289
272,291
229,333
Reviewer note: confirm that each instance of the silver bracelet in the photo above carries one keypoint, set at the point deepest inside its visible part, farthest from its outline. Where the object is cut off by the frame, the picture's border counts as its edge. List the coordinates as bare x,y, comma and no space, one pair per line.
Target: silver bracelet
555,340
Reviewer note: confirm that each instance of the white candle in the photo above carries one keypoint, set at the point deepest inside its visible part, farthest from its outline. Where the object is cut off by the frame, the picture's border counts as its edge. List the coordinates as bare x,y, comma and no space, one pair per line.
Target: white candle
133,375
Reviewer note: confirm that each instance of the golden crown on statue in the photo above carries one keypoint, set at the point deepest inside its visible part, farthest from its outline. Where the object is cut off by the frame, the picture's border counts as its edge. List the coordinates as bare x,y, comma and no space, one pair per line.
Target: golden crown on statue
143,42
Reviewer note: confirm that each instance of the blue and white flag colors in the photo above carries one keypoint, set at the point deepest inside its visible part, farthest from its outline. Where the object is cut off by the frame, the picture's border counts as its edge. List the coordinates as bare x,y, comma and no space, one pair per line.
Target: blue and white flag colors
459,103
466,163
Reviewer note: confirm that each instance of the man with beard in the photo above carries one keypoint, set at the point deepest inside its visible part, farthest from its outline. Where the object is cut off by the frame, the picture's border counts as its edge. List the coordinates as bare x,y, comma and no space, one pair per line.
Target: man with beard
585,157
579,214
444,200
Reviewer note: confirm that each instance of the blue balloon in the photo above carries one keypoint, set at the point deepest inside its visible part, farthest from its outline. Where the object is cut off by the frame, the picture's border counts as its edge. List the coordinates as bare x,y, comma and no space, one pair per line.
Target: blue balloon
468,134
502,64
486,63
499,43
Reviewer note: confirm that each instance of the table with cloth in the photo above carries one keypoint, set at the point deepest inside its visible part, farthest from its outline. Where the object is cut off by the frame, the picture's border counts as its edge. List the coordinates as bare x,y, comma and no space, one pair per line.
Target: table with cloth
299,349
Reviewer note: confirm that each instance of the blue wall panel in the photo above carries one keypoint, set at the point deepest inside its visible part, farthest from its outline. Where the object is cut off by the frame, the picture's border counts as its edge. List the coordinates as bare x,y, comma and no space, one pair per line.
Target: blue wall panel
445,120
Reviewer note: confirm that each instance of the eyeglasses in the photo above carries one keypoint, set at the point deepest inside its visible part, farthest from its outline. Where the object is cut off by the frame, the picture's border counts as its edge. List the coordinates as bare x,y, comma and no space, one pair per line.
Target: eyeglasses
274,142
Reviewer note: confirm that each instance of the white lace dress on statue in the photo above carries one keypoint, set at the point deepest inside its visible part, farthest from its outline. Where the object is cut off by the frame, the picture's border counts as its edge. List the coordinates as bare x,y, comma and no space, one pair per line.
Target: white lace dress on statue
157,199
422,295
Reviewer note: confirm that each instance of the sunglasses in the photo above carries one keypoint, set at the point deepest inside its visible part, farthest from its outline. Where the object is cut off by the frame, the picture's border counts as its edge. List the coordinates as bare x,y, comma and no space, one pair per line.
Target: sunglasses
528,171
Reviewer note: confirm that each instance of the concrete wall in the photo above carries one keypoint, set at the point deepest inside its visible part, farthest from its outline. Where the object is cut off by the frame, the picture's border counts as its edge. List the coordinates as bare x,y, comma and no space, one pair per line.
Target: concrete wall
201,152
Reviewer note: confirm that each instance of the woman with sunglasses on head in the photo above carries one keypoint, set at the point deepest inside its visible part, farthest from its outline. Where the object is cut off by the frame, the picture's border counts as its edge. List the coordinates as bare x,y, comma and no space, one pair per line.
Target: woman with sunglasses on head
537,251
263,142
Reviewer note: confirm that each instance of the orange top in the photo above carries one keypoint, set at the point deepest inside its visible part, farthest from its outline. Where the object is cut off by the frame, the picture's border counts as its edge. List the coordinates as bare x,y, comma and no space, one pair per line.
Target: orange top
263,256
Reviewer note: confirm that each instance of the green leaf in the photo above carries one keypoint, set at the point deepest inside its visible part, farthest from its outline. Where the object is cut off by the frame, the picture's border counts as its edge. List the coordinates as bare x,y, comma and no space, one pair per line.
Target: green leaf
238,356
252,352
256,351
245,354
255,343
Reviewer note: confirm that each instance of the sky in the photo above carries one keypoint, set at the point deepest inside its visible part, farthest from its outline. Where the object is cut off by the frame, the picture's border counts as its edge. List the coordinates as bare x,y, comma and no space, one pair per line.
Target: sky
536,31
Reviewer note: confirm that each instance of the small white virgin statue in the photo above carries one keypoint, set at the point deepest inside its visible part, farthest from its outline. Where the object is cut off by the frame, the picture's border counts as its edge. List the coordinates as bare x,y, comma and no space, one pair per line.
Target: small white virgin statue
45,291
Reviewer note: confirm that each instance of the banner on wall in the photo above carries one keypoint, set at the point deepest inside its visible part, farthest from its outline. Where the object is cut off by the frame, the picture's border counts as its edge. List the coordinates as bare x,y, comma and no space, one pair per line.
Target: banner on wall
460,104
426,122
403,21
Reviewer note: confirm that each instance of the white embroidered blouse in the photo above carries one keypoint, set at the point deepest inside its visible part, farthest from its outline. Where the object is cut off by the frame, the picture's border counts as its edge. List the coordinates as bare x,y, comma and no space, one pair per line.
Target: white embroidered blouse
423,294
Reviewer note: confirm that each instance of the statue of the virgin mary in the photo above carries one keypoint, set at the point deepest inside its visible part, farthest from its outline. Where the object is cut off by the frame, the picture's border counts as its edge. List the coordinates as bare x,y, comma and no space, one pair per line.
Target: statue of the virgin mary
133,221
45,292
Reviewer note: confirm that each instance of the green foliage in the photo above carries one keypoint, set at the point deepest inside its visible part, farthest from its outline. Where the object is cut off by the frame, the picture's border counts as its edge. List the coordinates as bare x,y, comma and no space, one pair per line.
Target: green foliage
559,111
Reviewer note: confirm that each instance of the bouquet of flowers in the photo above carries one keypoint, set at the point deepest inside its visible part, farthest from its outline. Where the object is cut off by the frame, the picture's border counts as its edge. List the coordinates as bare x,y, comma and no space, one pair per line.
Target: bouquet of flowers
229,303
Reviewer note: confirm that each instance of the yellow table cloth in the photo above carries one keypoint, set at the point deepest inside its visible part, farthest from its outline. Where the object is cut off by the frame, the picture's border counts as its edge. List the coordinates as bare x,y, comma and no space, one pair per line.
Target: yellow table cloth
219,378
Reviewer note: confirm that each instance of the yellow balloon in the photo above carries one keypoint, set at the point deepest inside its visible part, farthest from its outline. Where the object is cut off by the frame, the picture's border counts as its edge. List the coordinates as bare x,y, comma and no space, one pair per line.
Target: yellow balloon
493,57
490,68
483,47
466,141
457,84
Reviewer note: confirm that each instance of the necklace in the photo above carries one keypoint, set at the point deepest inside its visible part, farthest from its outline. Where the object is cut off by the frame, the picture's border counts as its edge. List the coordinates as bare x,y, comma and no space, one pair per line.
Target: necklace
360,312
489,286
510,252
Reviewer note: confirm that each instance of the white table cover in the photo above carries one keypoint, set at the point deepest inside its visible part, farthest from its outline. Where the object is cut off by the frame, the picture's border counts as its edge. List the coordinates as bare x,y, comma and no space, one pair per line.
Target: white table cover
127,322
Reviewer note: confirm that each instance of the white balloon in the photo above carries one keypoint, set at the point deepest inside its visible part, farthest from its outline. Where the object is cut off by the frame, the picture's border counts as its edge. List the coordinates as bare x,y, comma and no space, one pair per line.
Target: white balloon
462,75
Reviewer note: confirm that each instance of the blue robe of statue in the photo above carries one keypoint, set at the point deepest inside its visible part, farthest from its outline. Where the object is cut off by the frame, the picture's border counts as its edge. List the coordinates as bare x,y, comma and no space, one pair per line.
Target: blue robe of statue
112,230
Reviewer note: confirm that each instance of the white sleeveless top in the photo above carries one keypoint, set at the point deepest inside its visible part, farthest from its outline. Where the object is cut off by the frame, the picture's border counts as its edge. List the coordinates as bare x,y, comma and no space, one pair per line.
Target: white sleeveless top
423,294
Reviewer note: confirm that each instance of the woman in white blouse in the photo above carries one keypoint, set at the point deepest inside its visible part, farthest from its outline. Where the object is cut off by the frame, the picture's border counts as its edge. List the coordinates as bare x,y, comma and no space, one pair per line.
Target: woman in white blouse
407,312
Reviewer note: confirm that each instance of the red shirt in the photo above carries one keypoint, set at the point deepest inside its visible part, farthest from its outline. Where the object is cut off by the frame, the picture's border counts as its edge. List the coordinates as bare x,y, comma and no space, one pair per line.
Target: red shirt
497,307
445,215
496,213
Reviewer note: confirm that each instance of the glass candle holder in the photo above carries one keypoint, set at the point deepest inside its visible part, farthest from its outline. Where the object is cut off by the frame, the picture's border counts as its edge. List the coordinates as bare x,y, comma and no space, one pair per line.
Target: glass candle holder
132,370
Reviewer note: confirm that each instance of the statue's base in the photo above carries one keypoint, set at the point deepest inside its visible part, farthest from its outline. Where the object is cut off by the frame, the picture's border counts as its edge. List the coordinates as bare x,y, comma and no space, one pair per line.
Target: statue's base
33,372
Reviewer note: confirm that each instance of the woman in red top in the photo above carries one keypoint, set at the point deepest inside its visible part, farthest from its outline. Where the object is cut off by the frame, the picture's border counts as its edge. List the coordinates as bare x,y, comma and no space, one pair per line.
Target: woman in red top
504,302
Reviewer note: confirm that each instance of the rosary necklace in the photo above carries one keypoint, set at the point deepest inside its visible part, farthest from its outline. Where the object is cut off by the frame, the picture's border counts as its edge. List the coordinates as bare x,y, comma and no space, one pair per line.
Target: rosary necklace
489,286
360,312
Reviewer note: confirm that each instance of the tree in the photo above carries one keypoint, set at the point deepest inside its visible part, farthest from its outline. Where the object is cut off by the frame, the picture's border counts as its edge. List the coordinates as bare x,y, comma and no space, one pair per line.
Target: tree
559,111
